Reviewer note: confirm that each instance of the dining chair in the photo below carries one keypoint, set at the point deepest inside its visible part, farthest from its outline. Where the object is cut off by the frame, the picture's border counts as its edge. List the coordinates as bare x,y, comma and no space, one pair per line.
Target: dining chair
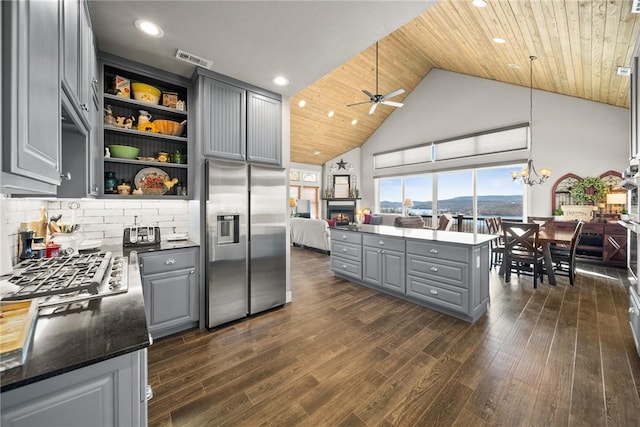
522,250
497,245
564,258
543,221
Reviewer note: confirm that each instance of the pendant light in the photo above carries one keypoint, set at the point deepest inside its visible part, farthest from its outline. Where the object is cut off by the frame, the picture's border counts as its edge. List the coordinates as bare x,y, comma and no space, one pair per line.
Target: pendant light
529,175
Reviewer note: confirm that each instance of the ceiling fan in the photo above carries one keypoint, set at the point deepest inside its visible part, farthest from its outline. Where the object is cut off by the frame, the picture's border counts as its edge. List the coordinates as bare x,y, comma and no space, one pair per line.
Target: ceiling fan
377,98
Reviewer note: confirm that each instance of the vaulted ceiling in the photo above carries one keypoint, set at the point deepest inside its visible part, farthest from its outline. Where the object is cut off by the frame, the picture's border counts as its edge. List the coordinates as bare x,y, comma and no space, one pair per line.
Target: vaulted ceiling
579,45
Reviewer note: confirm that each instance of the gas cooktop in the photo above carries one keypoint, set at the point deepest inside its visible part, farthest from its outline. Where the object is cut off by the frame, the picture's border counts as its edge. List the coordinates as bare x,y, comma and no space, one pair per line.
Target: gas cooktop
69,278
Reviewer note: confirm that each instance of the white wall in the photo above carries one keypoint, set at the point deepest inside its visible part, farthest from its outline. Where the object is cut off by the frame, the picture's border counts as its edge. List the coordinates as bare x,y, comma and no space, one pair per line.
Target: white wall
569,134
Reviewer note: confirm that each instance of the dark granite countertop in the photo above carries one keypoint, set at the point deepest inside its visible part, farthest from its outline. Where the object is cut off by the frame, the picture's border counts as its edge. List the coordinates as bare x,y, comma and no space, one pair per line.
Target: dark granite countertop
102,329
471,239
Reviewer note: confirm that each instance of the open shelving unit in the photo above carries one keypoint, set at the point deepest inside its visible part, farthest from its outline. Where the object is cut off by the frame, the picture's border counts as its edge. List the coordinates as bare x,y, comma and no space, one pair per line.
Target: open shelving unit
149,143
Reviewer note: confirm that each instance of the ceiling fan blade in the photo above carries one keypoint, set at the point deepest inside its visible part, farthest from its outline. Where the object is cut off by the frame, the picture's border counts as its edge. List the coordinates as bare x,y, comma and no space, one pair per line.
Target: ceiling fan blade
358,103
394,93
369,94
373,108
393,104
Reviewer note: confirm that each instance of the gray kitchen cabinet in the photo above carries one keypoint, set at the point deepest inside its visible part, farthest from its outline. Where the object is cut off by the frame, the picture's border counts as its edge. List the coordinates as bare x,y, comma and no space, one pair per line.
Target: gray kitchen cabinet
238,121
170,288
264,134
383,262
108,393
77,56
223,120
31,108
634,317
346,253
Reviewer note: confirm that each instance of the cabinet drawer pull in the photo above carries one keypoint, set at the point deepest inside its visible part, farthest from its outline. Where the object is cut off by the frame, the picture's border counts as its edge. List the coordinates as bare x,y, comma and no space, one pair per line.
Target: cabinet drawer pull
344,249
344,266
433,292
381,242
433,251
433,268
192,272
84,107
344,236
170,261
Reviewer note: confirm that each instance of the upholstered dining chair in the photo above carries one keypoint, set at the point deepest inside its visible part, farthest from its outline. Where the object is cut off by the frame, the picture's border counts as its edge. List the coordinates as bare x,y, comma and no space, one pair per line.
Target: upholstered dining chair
564,258
522,250
445,221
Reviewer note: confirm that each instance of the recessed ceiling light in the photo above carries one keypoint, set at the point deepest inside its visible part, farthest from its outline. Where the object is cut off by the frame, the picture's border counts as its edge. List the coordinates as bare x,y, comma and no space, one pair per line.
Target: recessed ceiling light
330,113
280,81
316,153
499,40
479,3
302,103
149,28
354,121
516,66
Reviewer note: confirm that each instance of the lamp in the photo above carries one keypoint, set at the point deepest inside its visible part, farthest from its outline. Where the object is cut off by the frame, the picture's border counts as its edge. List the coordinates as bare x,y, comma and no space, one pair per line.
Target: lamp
292,205
529,174
616,199
406,205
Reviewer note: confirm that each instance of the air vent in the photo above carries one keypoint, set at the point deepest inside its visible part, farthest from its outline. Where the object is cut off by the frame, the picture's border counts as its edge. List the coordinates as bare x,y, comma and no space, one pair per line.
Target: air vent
193,59
635,6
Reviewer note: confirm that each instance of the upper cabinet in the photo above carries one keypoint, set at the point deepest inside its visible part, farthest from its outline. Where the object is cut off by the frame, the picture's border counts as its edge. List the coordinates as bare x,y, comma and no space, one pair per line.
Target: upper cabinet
78,57
238,121
30,97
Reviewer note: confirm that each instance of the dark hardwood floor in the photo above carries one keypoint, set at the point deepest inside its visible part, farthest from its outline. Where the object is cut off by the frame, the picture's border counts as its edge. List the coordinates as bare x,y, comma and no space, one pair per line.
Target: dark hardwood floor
343,355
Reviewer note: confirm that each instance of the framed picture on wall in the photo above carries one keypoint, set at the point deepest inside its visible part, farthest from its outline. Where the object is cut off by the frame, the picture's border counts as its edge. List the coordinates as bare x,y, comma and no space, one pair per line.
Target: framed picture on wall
341,186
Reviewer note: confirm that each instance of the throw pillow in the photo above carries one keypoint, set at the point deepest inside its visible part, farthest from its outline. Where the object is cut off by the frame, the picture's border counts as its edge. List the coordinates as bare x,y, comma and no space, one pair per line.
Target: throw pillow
376,220
367,219
331,222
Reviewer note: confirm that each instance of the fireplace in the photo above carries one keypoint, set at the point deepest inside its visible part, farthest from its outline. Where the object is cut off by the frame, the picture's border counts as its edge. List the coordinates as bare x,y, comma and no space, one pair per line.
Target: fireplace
343,211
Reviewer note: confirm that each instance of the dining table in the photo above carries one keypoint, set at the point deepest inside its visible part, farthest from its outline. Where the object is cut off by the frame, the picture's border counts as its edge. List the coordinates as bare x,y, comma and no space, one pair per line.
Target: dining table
546,237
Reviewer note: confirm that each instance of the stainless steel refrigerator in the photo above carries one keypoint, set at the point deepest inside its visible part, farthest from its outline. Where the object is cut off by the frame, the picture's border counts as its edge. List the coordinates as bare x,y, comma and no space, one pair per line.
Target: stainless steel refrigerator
245,211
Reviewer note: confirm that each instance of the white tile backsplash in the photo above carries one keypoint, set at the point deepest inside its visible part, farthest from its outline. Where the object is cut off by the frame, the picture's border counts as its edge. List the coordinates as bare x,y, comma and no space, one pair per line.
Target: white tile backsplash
99,219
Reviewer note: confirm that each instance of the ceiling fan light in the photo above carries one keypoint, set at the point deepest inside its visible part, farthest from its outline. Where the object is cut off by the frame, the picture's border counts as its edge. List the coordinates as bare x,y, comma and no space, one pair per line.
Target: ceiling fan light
331,113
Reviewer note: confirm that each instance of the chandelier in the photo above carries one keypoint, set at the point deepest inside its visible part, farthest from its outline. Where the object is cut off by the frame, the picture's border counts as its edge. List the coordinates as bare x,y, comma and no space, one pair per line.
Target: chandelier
529,175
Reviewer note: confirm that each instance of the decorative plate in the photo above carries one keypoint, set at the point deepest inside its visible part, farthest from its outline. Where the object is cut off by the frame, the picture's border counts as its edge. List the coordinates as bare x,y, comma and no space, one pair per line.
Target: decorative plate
151,181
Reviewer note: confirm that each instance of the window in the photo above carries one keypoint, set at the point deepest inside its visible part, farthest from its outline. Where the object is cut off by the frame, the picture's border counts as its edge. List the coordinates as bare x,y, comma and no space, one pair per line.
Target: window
304,186
309,177
390,195
490,193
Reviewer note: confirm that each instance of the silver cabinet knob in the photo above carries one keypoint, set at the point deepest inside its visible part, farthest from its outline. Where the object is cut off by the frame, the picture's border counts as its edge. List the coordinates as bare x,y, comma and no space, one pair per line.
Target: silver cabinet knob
344,249
344,236
344,266
433,268
170,261
433,292
66,176
433,251
381,242
84,107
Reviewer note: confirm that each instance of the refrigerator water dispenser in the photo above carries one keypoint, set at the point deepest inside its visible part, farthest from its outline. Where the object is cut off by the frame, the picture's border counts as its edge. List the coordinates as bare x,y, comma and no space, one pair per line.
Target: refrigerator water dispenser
228,229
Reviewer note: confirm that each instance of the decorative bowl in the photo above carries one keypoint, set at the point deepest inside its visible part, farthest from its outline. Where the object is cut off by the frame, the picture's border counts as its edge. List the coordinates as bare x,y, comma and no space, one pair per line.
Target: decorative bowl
145,93
169,127
124,151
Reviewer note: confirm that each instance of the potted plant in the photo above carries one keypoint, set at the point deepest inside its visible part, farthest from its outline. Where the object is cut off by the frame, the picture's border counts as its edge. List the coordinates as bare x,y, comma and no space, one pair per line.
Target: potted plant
624,214
558,214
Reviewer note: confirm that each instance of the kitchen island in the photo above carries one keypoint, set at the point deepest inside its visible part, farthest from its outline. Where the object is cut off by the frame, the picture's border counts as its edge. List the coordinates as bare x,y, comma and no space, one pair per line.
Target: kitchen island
87,363
443,270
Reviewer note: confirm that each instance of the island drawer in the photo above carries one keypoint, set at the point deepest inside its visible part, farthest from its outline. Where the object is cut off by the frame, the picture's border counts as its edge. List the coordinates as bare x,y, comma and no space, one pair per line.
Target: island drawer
451,272
438,294
383,242
168,260
439,250
346,236
346,250
346,267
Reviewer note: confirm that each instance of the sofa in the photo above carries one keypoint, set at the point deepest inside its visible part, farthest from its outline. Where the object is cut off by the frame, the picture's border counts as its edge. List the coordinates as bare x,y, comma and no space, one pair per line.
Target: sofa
312,233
